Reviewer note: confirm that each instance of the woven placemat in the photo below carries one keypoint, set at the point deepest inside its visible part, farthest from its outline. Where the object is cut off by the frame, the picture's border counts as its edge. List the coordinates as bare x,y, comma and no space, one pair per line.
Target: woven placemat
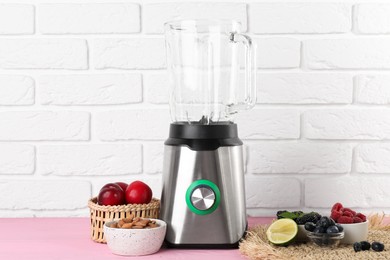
256,246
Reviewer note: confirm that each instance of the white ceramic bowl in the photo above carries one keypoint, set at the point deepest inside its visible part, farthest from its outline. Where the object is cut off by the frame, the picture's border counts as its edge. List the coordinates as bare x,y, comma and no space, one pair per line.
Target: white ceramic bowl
135,242
355,232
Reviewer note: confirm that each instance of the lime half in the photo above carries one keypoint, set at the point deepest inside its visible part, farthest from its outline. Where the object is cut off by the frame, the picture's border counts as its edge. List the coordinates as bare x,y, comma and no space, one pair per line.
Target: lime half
282,231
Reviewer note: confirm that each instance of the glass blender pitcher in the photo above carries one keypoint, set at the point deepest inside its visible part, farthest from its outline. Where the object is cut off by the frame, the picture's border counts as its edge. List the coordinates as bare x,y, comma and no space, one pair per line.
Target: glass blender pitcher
204,69
203,195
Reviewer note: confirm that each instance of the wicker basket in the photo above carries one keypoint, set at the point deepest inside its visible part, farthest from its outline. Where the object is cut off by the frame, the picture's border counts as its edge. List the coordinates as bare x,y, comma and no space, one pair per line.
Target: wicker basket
102,214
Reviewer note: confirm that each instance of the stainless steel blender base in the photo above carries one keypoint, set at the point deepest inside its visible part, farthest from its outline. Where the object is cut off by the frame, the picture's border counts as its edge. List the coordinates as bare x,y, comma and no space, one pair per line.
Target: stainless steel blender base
203,196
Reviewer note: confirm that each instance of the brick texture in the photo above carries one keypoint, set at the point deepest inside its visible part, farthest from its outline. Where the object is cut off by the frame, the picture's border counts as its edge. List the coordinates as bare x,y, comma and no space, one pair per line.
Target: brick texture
16,90
373,89
346,54
89,18
156,14
44,125
43,54
272,157
16,19
272,18
17,159
373,158
304,88
151,124
269,124
145,53
278,53
361,192
98,159
89,89
44,194
372,18
265,192
360,124
84,100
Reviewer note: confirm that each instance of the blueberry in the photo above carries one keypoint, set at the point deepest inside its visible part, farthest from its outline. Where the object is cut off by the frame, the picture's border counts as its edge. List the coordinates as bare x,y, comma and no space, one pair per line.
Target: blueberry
377,246
332,230
340,227
310,226
319,230
357,246
332,223
324,222
365,245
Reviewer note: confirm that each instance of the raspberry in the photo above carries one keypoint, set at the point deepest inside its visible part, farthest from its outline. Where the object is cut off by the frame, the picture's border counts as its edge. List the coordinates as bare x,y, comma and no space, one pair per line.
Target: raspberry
345,220
349,210
357,220
348,214
361,216
337,207
335,215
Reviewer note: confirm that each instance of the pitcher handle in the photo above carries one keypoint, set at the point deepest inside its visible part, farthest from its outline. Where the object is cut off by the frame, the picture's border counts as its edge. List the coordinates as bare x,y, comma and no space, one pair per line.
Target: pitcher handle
250,68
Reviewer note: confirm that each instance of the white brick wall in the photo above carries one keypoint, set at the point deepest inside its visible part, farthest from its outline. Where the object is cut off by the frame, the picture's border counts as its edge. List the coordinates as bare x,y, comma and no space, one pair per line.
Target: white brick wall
41,194
16,90
142,53
361,53
44,126
84,101
89,89
16,19
17,159
276,157
274,18
156,87
373,89
97,159
156,14
269,124
367,191
153,157
43,54
373,158
142,124
372,18
304,88
88,18
265,192
278,53
347,124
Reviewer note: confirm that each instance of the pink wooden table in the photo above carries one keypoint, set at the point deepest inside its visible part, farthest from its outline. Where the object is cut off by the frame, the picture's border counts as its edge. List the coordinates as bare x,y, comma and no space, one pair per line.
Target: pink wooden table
68,238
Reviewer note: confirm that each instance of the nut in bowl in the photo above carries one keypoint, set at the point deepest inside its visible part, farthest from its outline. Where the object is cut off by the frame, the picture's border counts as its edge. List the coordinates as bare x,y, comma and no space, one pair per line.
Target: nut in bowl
135,237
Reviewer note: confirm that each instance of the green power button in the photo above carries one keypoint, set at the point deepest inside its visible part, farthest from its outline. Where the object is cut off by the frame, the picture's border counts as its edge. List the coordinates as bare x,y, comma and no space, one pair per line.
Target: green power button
203,197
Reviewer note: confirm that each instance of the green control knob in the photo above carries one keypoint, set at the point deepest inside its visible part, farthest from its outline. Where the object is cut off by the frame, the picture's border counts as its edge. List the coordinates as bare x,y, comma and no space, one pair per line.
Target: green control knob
203,197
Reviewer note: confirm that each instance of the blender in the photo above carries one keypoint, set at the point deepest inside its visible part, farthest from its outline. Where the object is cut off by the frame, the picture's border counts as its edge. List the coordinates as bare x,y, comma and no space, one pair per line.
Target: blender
203,194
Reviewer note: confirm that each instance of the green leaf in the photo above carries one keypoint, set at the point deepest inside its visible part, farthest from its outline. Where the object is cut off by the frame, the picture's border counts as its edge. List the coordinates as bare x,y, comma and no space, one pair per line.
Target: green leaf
289,215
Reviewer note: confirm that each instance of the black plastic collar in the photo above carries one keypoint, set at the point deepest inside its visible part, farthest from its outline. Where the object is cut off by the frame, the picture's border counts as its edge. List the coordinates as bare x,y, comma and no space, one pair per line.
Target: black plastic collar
203,137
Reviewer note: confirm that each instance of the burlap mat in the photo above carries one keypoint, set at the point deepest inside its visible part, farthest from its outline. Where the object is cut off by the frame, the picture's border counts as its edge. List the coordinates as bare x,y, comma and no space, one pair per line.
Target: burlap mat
256,246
